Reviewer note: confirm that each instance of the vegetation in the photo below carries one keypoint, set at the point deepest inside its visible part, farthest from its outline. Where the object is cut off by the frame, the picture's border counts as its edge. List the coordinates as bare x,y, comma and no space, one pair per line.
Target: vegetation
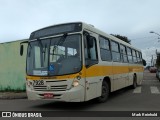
124,38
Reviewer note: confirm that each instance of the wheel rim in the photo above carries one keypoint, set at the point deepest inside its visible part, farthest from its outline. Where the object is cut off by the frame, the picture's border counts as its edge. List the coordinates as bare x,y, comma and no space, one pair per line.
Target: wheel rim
104,92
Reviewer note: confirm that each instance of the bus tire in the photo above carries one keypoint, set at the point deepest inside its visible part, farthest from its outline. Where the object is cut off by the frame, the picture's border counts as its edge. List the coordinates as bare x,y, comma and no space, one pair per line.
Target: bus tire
105,93
134,82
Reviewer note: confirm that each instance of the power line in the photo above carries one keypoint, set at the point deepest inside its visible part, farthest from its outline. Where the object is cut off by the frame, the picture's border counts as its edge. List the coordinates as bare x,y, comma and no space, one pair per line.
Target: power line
143,37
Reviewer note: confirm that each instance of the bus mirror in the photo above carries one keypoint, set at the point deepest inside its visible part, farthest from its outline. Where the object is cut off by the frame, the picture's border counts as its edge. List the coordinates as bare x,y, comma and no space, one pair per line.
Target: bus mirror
21,47
90,41
21,50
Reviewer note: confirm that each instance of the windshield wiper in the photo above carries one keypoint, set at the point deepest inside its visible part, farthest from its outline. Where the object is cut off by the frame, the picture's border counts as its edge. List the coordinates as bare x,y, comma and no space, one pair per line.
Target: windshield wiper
59,43
62,39
29,53
40,43
44,51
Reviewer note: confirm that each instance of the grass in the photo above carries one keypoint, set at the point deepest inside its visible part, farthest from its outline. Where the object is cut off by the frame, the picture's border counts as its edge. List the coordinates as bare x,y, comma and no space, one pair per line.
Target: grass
9,89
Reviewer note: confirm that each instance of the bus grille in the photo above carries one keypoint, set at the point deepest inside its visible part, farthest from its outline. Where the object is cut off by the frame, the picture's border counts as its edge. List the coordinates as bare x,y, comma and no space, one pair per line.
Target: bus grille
50,88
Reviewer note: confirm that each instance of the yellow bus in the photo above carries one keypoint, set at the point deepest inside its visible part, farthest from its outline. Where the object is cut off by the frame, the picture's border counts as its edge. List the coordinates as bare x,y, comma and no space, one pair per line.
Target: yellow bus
75,62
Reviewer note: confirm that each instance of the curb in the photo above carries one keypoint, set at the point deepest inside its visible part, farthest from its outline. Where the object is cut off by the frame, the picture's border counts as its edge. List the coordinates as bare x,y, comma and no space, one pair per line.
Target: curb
13,95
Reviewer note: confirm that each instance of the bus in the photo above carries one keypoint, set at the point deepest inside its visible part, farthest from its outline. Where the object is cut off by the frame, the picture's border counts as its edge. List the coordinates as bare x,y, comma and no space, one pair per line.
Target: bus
76,62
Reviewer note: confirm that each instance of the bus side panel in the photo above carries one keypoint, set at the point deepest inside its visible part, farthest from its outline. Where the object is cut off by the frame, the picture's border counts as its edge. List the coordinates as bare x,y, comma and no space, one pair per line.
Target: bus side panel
130,74
120,73
140,74
94,78
137,70
92,82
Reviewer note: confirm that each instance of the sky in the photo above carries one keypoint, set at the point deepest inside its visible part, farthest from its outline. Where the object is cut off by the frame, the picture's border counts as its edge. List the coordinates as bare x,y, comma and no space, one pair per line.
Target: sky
131,18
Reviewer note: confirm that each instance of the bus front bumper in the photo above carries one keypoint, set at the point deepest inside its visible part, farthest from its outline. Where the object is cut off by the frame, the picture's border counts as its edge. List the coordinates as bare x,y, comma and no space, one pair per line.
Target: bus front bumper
75,94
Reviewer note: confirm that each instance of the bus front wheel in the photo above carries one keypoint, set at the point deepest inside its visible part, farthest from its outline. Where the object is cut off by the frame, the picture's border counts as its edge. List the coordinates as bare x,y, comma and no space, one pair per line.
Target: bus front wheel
104,93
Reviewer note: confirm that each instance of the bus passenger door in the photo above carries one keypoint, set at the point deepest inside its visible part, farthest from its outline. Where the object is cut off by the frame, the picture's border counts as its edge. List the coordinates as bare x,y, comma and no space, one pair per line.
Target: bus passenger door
91,66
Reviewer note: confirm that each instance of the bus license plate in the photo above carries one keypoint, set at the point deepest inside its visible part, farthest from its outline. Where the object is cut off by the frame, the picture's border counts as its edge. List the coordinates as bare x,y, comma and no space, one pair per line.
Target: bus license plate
48,95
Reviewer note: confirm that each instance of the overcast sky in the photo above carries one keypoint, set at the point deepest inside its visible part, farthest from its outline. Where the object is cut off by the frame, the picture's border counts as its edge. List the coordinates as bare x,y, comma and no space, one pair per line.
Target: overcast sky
131,18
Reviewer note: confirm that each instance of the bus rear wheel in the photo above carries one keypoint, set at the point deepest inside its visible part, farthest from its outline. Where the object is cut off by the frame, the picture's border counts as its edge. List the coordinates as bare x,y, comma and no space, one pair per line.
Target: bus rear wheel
105,93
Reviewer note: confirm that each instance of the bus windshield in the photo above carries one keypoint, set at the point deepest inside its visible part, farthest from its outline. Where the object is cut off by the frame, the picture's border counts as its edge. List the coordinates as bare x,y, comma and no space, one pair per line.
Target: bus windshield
55,56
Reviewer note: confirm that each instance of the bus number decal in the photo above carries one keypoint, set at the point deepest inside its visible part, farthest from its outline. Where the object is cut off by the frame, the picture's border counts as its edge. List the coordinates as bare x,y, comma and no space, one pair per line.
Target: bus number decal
38,82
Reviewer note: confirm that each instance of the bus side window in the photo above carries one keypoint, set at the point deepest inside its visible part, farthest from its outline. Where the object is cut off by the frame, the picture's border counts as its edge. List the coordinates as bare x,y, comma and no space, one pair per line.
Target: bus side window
123,54
105,51
134,56
115,51
140,56
137,56
129,53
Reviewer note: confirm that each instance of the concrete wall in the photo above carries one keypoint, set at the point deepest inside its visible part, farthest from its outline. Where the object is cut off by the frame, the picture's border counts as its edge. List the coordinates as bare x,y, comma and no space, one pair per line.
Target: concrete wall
12,66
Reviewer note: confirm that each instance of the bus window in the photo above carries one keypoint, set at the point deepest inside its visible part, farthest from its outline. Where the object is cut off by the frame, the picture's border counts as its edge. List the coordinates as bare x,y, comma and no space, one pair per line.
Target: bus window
58,54
105,49
123,53
140,56
129,53
134,56
115,51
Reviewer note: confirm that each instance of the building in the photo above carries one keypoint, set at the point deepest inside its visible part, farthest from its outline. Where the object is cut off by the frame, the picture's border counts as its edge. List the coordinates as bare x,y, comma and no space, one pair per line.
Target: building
12,66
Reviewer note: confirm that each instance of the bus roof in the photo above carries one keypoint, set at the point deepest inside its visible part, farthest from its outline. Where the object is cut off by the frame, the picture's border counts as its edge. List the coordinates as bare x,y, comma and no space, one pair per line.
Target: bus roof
95,30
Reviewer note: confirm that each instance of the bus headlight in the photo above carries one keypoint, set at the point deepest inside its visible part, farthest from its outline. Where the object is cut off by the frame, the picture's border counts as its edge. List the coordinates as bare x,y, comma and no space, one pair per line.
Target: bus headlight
75,83
29,84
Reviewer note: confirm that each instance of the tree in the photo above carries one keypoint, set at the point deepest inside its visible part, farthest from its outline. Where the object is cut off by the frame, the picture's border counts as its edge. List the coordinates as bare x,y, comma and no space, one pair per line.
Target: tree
124,38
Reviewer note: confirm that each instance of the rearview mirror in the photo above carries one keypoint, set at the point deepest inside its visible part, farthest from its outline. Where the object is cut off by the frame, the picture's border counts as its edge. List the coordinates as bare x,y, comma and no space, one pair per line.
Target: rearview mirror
90,41
21,50
21,47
